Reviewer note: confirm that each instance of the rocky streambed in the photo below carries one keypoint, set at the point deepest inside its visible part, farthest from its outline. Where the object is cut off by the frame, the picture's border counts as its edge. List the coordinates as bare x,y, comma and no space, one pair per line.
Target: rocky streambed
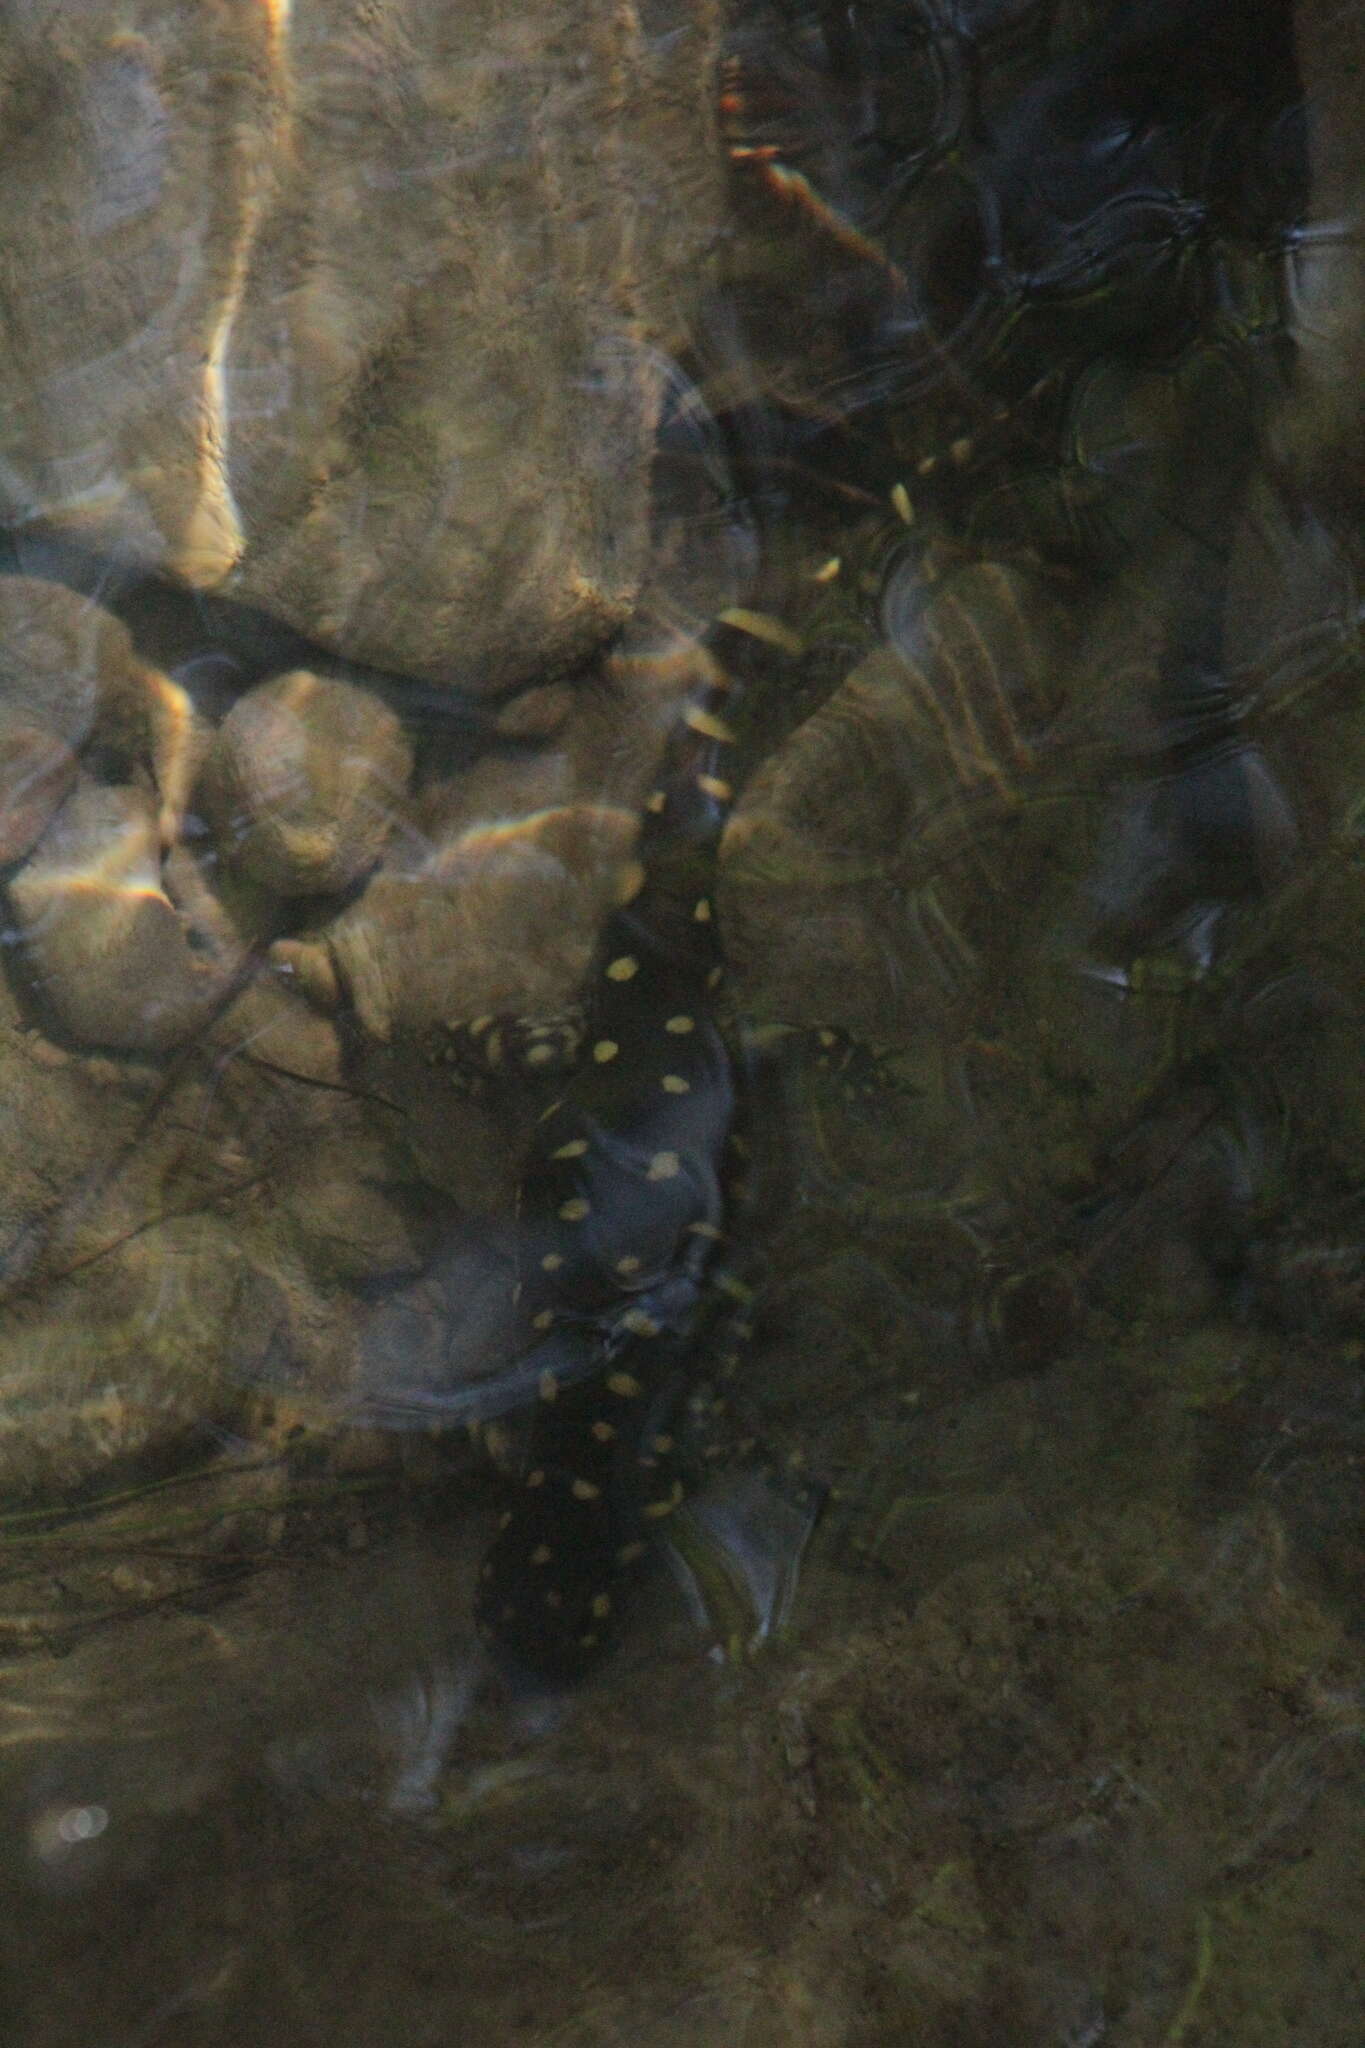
411,418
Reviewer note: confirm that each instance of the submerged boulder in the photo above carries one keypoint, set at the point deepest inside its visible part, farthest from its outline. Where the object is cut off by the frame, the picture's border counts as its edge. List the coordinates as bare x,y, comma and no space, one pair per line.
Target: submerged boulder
357,314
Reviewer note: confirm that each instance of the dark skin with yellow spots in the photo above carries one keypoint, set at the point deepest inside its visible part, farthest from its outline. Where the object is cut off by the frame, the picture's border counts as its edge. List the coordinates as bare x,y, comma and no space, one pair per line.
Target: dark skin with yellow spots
621,1213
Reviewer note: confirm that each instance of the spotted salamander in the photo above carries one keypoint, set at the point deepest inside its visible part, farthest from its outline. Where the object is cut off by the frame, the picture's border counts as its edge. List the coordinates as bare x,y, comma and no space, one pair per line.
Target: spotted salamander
621,1212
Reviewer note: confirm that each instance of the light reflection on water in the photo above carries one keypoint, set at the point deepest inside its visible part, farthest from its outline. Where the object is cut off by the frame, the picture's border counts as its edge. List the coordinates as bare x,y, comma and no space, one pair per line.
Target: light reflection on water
680,1203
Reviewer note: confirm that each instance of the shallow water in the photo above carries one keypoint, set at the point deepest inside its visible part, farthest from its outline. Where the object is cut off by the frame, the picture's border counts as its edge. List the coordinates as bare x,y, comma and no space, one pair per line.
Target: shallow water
683,1294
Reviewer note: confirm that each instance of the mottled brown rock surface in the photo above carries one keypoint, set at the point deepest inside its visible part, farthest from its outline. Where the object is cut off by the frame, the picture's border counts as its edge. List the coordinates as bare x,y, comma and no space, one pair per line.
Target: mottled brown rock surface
355,313
175,1236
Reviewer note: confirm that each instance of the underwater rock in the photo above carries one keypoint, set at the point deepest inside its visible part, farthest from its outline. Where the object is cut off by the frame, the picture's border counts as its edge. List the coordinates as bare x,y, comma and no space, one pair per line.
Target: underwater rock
500,921
60,655
71,678
350,1225
358,312
175,1239
306,775
37,770
859,860
59,1122
171,1327
490,901
538,713
114,960
178,1237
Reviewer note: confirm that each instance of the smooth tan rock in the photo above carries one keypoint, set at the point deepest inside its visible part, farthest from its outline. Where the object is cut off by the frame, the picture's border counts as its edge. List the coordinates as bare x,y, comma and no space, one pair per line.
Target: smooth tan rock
500,921
69,674
306,776
491,899
358,312
112,957
59,654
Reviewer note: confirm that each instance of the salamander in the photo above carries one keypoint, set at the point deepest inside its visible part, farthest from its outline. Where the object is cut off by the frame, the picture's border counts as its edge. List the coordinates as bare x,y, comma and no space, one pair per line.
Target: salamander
621,1216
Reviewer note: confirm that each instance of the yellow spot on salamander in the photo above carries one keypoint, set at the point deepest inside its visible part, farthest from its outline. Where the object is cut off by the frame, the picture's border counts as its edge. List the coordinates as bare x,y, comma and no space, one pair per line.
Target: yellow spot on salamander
541,1554
630,1553
603,1431
674,1084
702,913
604,1050
735,1288
761,626
657,1509
900,499
601,1606
479,1025
714,977
663,1445
623,969
680,1025
575,1149
575,1209
664,1166
552,1262
623,1383
549,1387
712,785
639,1324
708,725
536,1478
583,1489
710,1230
655,801
539,1055
628,1265
827,571
544,1321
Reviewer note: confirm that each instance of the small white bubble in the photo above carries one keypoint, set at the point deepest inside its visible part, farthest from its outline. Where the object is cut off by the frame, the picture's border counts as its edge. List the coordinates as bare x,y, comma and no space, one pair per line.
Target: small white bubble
82,1823
58,1830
